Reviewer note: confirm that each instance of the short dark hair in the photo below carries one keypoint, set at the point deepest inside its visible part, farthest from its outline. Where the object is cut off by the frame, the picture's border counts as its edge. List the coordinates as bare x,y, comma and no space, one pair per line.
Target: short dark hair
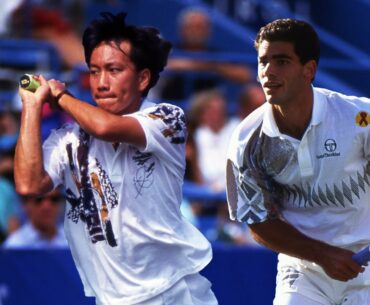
149,49
300,33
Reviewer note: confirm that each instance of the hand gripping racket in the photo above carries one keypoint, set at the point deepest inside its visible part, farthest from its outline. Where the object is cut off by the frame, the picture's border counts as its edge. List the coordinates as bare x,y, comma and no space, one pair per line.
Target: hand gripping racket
362,257
29,83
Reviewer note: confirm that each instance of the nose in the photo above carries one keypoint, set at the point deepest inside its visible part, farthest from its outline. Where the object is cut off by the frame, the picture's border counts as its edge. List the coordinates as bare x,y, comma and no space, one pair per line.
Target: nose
266,69
103,81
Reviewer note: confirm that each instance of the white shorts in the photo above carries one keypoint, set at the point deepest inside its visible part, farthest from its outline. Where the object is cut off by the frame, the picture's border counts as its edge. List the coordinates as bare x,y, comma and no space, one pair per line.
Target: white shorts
305,283
193,289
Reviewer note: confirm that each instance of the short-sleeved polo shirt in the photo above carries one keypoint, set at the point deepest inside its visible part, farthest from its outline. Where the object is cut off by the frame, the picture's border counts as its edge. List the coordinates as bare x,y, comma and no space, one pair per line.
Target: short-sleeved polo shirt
123,223
320,184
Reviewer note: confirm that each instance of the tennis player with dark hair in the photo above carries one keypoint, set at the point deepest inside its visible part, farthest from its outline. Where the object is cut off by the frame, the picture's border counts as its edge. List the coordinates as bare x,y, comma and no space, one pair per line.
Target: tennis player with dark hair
122,165
298,173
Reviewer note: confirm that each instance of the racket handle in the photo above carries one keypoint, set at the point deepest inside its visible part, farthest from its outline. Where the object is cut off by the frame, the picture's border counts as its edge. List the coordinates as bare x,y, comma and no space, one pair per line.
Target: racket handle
29,83
363,256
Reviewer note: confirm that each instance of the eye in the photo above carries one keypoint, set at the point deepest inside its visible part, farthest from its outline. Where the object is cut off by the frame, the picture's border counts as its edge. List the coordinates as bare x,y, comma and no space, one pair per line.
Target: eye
115,70
93,71
262,62
282,62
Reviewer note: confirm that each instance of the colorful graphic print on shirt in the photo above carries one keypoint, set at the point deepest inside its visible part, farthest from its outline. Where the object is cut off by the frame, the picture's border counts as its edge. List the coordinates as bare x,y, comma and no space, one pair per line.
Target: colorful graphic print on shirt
174,119
96,198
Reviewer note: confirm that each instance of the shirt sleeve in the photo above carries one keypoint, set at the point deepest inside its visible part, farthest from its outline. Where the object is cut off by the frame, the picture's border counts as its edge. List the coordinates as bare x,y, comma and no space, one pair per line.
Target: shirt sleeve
250,196
54,157
165,131
244,196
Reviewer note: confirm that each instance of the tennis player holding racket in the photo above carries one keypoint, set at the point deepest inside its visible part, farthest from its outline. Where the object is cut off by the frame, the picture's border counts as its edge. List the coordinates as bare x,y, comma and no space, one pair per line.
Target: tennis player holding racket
122,164
299,173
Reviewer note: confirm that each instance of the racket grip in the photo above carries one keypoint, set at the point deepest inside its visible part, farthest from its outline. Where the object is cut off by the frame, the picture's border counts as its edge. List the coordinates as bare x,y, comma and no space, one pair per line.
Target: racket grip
363,256
29,83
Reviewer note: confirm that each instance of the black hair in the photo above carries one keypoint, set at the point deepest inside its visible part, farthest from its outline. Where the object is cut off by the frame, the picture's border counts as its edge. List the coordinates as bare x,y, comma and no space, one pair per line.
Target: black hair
300,33
149,50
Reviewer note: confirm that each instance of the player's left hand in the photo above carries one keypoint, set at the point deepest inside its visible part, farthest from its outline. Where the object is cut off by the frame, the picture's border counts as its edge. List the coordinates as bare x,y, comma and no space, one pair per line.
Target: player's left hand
56,88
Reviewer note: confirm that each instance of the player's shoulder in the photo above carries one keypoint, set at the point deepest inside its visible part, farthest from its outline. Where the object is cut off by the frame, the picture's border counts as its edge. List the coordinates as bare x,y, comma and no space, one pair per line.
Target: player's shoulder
166,109
67,131
251,122
20,237
161,110
343,102
245,129
165,116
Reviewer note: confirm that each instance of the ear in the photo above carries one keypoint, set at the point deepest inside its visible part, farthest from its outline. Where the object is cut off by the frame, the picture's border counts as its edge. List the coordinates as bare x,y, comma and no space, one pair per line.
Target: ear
144,79
310,69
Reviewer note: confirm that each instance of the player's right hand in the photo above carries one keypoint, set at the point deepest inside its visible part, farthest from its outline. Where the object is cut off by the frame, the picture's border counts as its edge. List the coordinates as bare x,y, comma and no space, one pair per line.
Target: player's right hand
339,265
39,97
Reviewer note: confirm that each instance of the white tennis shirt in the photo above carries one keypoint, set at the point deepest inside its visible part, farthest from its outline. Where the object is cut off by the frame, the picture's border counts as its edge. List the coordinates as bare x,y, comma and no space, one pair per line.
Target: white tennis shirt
319,184
123,221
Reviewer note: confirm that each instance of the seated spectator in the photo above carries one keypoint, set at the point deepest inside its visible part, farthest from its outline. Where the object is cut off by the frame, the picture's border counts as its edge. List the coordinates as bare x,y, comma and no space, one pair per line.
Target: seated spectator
206,161
9,129
250,98
212,132
195,30
9,209
33,19
42,228
10,217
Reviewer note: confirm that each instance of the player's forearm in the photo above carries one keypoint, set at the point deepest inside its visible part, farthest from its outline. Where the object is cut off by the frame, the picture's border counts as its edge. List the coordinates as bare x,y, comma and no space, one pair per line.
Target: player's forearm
284,238
102,124
92,119
29,173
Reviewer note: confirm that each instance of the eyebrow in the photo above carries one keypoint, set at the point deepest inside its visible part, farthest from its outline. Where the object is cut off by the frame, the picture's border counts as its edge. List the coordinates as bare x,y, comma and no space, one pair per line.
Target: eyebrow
277,56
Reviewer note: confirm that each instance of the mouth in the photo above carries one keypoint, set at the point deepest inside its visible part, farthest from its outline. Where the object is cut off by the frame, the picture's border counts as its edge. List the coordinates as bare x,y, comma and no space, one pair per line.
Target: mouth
104,97
272,85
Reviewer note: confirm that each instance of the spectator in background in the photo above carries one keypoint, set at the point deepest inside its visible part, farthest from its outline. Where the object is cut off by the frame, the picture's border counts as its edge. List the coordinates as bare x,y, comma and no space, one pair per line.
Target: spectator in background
250,98
195,30
9,200
8,7
9,209
33,19
42,228
212,129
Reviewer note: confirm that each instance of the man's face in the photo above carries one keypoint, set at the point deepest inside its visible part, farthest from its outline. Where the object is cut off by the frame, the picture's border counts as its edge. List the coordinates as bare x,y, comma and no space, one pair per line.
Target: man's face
44,211
283,77
195,31
115,83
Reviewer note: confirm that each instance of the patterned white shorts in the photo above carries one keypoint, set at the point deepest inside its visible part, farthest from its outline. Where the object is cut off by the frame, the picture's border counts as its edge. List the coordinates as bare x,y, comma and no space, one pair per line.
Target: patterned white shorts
305,283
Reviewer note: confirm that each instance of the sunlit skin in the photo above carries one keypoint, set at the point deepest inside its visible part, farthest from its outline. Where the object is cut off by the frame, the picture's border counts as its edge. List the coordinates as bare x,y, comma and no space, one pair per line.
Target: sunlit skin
116,85
286,83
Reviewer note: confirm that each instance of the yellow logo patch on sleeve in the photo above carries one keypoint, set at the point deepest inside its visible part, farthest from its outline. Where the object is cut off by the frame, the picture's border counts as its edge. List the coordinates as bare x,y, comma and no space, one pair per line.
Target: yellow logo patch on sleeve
363,119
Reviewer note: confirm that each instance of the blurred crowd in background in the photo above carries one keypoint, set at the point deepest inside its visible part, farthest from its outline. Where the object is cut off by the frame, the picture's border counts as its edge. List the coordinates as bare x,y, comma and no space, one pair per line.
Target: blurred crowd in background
191,80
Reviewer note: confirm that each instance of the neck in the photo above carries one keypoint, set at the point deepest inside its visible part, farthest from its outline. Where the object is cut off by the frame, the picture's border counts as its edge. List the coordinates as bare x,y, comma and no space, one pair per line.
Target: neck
289,126
47,232
293,120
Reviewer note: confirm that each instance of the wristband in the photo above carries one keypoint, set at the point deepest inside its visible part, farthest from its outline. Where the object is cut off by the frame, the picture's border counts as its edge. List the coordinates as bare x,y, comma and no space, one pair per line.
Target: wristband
61,93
